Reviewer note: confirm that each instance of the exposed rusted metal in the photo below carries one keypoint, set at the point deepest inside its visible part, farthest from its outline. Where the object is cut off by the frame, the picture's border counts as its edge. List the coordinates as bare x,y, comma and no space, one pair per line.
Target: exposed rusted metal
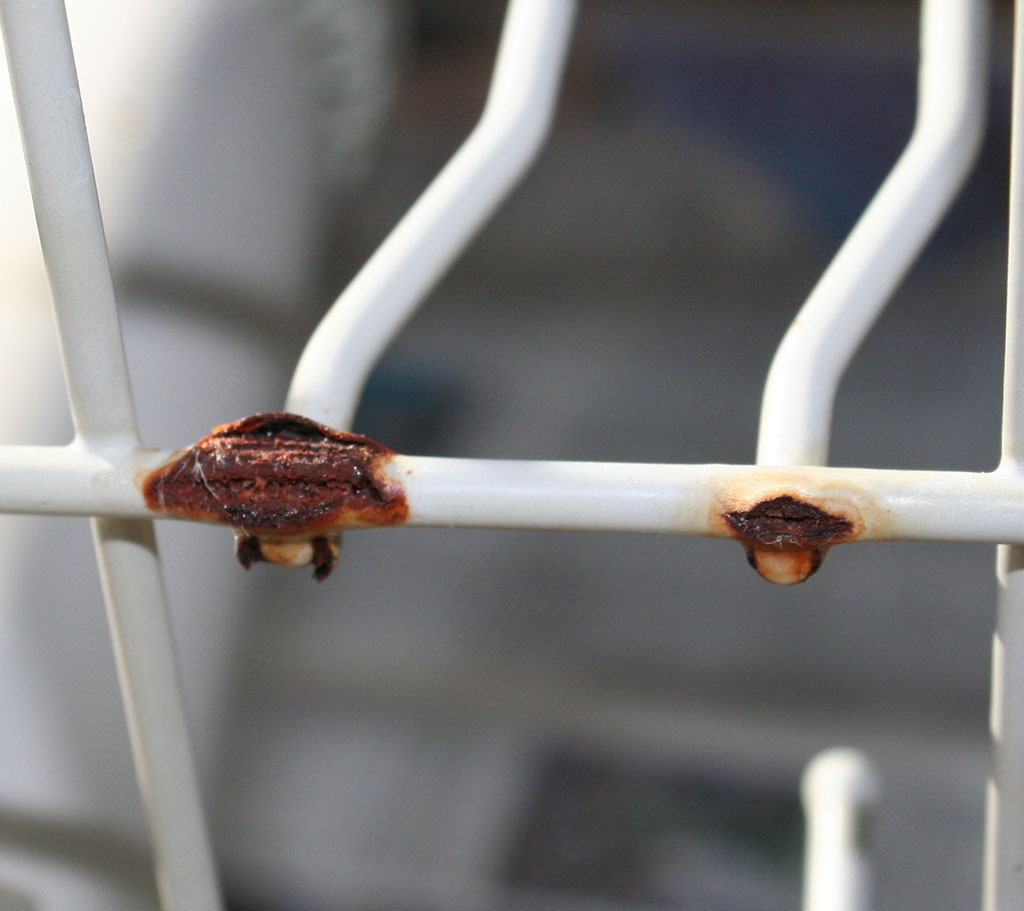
786,538
785,521
284,483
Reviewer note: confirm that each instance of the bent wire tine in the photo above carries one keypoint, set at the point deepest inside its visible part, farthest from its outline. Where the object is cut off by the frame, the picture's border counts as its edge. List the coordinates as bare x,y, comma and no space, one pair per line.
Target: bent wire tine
338,358
796,412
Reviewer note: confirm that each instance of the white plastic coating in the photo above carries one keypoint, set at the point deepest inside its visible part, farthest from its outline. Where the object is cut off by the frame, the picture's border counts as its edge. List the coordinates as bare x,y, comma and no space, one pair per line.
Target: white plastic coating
840,792
330,375
584,496
1013,366
1004,805
1003,885
688,499
59,164
796,412
133,589
49,106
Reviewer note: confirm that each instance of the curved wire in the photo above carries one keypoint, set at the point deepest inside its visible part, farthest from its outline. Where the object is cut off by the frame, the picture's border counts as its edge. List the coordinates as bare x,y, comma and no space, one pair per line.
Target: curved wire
330,374
796,411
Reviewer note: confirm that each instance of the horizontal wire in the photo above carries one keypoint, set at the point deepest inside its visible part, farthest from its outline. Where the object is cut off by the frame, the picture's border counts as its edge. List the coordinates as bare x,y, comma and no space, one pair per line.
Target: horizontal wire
584,496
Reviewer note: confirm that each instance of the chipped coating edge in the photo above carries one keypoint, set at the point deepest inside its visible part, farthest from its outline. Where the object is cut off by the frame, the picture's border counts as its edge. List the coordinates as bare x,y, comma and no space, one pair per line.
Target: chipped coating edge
790,564
742,492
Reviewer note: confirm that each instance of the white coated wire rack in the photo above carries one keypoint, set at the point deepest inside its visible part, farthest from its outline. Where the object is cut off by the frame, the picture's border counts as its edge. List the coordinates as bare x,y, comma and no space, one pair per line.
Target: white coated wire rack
96,474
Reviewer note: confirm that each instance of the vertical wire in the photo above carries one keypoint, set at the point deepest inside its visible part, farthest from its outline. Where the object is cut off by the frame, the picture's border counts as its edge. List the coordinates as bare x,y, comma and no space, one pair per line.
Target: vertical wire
840,792
1013,374
1004,800
59,164
1003,875
147,670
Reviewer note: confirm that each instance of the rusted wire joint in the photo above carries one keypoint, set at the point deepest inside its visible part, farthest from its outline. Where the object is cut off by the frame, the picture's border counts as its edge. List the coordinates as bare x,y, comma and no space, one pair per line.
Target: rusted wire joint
786,538
284,483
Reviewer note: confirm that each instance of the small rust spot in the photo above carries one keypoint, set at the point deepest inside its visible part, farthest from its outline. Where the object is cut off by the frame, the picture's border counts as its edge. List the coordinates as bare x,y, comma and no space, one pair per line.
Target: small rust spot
786,538
284,483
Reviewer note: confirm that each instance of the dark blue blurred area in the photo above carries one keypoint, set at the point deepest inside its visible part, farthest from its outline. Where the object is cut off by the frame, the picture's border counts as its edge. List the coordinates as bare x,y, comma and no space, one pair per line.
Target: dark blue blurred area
828,123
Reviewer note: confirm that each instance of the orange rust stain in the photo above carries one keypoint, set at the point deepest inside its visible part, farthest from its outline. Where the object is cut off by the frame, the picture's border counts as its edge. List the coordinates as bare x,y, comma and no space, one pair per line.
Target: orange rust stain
785,530
284,483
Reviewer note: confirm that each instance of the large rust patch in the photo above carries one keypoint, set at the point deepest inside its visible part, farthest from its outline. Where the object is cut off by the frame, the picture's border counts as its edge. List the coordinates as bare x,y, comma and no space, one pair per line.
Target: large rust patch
286,484
786,538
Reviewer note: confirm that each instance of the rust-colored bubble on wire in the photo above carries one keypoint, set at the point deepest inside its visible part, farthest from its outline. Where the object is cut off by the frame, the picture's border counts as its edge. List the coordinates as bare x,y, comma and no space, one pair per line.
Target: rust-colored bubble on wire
786,538
284,483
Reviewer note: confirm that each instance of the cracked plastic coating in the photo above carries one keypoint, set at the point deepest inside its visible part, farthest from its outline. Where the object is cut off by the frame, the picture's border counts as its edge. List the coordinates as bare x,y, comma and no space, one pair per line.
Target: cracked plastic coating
786,537
286,484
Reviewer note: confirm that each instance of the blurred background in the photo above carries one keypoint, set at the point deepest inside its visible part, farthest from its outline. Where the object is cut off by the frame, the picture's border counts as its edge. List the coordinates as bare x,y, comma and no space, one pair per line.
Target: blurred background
512,720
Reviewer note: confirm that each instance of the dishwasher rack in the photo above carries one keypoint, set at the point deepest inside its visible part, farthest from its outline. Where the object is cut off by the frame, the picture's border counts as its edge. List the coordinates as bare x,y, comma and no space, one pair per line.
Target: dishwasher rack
787,509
